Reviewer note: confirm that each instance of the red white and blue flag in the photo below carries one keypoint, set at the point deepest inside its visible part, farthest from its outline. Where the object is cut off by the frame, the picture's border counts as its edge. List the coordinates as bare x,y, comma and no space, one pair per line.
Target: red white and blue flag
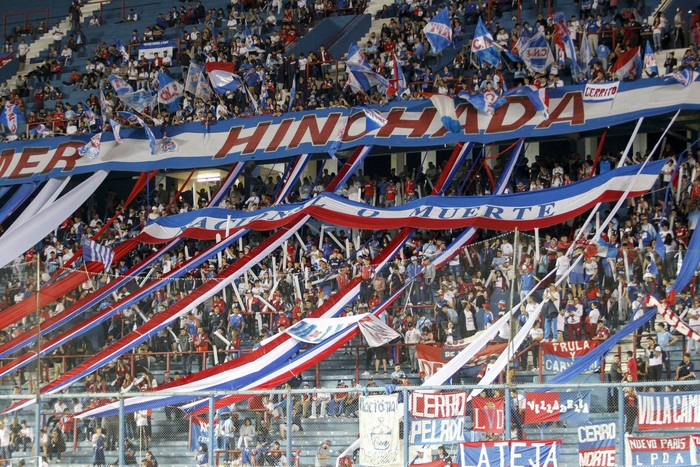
11,117
91,149
543,453
628,62
222,77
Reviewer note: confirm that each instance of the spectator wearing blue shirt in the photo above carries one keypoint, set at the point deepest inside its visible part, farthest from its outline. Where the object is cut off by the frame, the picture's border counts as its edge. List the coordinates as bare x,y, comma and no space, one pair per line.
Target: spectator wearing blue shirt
665,340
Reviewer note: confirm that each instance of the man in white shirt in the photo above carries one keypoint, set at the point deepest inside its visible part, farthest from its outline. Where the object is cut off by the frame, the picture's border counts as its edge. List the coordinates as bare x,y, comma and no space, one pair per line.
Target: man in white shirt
412,337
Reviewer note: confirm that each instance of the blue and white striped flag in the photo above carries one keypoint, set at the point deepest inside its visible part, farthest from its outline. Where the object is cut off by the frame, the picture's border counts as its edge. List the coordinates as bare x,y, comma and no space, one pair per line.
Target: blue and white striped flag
93,251
373,120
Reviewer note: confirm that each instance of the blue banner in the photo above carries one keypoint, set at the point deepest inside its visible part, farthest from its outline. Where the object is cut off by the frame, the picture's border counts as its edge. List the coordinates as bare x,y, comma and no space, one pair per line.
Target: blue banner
663,451
409,124
597,444
575,406
543,453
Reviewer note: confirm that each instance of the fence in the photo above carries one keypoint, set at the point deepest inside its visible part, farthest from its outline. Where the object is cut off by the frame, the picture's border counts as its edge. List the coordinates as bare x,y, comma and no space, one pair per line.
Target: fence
255,430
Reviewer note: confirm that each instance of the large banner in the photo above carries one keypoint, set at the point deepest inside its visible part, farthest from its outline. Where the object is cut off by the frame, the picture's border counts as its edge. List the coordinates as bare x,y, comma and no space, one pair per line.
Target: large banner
409,124
440,417
438,405
558,356
438,431
543,453
488,414
432,358
597,444
547,407
673,451
667,410
527,210
379,430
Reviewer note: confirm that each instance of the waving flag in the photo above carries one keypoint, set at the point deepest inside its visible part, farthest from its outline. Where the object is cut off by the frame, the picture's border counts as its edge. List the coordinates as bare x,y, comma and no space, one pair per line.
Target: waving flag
482,45
538,97
563,39
193,73
536,53
93,251
521,43
92,147
398,80
650,61
222,77
486,102
40,130
168,145
133,118
586,55
373,120
116,129
606,250
627,62
11,117
120,86
445,105
122,50
363,76
203,90
89,114
169,91
684,77
292,94
438,31
140,100
5,58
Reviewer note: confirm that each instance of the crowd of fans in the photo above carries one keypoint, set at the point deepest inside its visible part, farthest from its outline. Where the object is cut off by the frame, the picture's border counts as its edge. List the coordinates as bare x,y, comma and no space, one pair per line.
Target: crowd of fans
444,305
255,39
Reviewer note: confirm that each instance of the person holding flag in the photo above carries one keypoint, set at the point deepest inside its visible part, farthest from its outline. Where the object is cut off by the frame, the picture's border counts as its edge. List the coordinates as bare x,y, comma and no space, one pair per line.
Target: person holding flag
438,31
650,66
170,92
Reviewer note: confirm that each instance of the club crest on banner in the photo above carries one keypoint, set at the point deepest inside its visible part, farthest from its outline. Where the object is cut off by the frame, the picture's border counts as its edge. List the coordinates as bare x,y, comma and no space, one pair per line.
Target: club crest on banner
489,414
379,430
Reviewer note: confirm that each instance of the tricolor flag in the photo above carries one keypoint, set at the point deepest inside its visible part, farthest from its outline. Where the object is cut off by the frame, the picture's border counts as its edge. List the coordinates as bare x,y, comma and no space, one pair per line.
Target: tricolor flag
438,31
628,62
398,80
169,91
563,39
11,117
373,120
445,106
93,251
139,100
89,114
133,118
92,147
482,45
650,62
167,144
486,102
222,77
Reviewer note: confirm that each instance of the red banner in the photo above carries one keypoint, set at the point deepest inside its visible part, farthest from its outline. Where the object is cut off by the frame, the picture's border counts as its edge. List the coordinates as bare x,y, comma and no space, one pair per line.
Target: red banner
431,358
570,349
489,414
437,405
542,407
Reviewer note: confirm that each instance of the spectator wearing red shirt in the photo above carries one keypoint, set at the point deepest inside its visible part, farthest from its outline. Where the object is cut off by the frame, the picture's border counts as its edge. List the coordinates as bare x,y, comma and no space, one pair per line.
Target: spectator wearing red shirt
602,332
632,366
